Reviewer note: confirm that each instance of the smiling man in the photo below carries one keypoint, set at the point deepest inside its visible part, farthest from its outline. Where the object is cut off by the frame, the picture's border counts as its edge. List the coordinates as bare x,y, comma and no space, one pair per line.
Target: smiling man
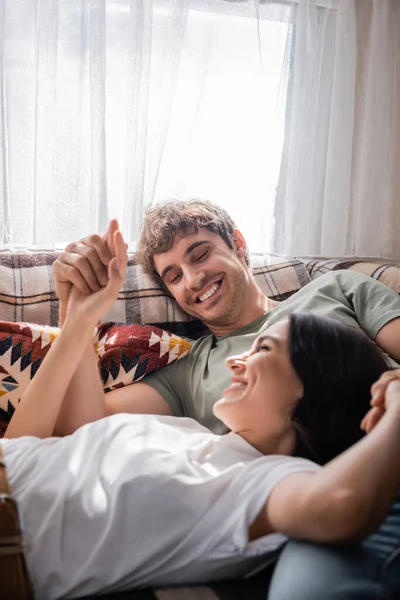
209,282
200,256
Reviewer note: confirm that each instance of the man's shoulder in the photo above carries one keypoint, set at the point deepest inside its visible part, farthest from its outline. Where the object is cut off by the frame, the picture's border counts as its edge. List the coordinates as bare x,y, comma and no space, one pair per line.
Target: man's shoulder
199,347
342,277
352,280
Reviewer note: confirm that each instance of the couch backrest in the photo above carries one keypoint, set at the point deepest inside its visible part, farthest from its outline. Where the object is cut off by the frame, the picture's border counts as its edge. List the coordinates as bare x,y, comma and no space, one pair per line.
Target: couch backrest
27,291
27,288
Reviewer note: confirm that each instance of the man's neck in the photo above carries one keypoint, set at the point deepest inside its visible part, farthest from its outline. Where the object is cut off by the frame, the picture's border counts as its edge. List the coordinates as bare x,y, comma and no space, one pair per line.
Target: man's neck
260,307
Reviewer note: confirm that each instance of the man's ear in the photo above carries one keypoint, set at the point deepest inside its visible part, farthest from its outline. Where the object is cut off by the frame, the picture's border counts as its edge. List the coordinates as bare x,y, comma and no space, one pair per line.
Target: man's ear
239,243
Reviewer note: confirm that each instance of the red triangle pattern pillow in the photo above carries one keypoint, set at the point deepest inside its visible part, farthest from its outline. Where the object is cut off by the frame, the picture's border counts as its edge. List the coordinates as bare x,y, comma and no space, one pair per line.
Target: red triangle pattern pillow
126,353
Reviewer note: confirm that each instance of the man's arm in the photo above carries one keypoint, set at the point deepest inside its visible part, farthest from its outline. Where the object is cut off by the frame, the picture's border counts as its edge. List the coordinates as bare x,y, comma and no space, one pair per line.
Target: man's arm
388,338
85,400
376,307
138,398
349,498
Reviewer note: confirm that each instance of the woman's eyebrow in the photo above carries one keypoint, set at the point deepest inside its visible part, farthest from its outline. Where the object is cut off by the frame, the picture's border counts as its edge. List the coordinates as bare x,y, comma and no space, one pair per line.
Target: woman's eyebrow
268,337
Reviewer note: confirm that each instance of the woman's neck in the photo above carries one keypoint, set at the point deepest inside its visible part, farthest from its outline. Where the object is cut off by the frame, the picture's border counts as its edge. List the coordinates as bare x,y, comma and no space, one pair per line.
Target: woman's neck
283,443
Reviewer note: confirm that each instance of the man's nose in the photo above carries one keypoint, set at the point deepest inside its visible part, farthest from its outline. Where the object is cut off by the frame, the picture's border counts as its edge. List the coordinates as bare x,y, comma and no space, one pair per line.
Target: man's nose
194,278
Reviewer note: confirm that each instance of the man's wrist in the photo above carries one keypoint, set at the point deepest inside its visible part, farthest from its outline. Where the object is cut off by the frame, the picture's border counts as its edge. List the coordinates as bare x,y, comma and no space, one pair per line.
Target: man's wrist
62,312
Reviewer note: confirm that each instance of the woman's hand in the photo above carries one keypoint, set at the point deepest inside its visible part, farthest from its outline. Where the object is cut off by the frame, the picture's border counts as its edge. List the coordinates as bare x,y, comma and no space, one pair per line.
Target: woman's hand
91,306
385,392
84,264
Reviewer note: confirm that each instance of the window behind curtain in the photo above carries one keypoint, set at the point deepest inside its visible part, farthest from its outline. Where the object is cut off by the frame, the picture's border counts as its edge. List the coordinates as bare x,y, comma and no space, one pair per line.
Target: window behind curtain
226,129
209,121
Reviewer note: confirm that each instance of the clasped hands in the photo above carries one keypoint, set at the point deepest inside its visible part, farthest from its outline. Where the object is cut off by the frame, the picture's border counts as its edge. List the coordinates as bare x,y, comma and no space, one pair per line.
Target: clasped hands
89,274
385,395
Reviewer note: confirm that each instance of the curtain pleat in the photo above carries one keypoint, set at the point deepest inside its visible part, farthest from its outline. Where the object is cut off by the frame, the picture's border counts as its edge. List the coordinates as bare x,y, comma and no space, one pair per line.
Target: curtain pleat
338,189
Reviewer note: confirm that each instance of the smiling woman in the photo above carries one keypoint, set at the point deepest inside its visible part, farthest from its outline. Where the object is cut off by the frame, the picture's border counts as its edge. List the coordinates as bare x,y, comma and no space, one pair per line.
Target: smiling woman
303,388
264,392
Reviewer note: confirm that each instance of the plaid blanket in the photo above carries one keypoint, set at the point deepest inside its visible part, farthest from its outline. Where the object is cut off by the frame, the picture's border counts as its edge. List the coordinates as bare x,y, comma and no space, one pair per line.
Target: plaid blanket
27,292
387,273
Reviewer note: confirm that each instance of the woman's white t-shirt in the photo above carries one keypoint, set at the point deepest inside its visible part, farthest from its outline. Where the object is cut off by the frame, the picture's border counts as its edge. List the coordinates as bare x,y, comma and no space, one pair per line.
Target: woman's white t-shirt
140,500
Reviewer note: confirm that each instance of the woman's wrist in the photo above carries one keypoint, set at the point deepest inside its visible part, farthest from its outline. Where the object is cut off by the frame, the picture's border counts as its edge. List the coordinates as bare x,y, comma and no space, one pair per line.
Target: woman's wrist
79,322
394,410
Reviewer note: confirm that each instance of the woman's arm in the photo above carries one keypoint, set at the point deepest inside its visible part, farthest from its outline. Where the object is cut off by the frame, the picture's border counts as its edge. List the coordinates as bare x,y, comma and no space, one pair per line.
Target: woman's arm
44,400
84,399
349,498
37,412
84,267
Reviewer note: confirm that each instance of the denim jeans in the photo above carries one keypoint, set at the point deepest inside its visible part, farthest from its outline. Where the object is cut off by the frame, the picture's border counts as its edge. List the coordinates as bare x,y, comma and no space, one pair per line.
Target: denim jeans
369,571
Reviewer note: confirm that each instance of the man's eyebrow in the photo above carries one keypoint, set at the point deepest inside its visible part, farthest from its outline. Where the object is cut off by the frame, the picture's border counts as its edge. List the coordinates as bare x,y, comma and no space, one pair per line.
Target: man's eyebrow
165,271
188,250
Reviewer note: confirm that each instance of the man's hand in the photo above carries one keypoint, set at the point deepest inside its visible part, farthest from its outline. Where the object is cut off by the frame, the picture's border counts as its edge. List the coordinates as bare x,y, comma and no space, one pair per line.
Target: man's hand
93,305
383,395
84,264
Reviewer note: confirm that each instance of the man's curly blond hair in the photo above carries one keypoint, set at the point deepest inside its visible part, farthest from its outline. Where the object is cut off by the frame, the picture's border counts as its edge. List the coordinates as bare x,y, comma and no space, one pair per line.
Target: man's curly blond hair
168,221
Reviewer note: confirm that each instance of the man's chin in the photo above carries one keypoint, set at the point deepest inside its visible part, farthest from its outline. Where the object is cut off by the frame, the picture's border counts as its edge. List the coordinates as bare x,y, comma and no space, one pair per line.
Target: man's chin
211,317
207,314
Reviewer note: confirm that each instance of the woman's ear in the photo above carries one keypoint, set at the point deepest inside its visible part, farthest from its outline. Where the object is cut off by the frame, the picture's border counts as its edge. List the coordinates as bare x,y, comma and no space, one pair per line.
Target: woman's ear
239,243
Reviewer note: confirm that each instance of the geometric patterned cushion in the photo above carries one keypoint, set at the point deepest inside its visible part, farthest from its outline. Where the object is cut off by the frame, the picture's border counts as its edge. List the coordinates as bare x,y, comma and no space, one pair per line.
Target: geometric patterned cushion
129,352
126,353
22,349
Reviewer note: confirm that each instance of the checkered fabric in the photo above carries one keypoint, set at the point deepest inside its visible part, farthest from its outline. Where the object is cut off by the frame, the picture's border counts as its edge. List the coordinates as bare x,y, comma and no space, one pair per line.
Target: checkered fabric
387,273
27,292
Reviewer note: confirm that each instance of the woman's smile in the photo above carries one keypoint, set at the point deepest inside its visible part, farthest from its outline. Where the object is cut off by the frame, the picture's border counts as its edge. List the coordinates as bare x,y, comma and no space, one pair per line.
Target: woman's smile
238,385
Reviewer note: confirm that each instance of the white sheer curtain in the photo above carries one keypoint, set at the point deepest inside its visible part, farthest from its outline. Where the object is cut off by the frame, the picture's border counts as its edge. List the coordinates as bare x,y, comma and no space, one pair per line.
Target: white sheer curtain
227,122
109,105
86,91
340,178
285,112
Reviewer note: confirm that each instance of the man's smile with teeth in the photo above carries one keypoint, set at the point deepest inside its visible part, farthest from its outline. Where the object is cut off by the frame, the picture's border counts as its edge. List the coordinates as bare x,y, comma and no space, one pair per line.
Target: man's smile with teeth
209,292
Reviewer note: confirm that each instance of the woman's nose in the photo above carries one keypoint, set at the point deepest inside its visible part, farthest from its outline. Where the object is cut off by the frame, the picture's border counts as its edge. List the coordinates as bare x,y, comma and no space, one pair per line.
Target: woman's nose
237,364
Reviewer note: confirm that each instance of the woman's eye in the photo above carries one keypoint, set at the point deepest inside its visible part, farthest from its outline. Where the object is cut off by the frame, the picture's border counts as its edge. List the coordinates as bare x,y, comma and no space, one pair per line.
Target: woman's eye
263,347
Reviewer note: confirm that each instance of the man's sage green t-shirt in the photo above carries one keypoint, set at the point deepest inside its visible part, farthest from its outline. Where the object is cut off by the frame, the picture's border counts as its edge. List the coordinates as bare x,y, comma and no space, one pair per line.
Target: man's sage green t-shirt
191,386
